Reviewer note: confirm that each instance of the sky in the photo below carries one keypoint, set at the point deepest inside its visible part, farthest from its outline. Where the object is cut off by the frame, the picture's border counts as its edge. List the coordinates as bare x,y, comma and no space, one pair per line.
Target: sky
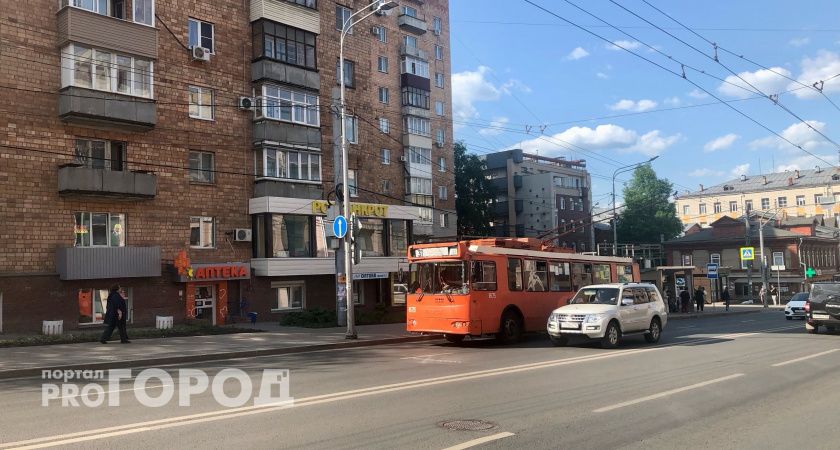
522,78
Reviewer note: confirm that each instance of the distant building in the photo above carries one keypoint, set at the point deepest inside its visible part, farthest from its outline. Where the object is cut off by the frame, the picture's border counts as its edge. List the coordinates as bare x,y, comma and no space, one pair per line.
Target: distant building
799,193
539,196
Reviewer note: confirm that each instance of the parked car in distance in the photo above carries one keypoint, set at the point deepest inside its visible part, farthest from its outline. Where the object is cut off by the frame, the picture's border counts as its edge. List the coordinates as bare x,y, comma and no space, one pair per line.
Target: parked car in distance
608,312
796,306
823,307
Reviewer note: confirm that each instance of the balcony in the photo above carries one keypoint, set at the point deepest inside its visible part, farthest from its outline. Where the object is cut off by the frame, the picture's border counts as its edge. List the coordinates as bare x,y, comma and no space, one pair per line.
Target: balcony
420,199
268,69
97,30
74,179
415,111
99,109
416,25
266,187
288,13
415,81
94,263
410,50
416,140
278,131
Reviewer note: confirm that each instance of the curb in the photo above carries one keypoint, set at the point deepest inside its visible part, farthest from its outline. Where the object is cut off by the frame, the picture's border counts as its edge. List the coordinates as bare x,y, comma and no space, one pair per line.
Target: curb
34,371
706,315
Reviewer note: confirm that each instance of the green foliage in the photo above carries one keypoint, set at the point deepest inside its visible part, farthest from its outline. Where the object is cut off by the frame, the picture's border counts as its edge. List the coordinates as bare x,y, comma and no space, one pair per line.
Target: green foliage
647,211
473,194
311,318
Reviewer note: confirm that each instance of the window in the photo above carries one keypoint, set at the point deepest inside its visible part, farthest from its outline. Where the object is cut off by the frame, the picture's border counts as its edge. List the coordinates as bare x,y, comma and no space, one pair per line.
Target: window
748,206
686,209
625,273
144,12
113,8
514,274
818,198
306,3
418,125
702,208
382,64
439,80
386,186
746,264
94,302
779,260
383,95
562,203
201,103
408,11
291,236
412,96
351,183
439,108
800,200
422,186
714,258
289,164
765,203
414,66
349,73
443,193
483,276
285,44
342,15
717,207
90,68
418,155
202,232
410,42
561,277
536,275
440,137
686,260
781,202
108,155
384,126
733,206
601,273
437,25
398,237
288,296
99,229
371,238
438,52
385,156
441,164
381,33
351,129
444,220
201,34
284,104
201,167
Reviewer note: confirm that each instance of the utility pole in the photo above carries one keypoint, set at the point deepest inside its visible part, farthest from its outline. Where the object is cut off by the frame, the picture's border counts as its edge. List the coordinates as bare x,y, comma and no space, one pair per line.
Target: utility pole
749,263
763,261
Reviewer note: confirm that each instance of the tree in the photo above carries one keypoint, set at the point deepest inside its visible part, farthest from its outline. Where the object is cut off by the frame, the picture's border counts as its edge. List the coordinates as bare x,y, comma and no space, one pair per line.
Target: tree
473,194
648,214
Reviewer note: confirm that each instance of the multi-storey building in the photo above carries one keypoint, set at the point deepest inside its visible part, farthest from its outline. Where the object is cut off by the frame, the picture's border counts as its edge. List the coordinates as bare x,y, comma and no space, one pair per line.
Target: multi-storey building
147,142
798,193
538,196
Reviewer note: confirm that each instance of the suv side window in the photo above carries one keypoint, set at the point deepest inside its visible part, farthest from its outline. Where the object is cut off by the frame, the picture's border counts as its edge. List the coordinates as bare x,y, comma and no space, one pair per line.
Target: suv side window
641,296
628,293
653,295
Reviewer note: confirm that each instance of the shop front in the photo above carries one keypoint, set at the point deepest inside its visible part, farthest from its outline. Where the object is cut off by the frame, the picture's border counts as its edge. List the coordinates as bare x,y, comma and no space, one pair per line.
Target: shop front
212,291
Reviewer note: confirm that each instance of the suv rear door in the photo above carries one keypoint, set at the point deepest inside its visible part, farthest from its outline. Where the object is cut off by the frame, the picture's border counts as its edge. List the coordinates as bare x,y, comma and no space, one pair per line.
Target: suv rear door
825,299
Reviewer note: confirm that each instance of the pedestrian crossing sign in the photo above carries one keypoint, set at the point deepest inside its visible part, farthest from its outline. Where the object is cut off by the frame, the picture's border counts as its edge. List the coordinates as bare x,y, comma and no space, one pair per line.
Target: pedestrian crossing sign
747,253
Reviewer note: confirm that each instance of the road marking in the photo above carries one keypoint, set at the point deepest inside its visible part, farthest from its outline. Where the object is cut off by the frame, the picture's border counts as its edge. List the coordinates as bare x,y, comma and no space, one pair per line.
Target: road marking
479,441
815,355
426,356
747,321
667,393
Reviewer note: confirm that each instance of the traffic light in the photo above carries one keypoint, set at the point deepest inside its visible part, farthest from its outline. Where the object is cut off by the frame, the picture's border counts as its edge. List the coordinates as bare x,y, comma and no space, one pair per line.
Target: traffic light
357,227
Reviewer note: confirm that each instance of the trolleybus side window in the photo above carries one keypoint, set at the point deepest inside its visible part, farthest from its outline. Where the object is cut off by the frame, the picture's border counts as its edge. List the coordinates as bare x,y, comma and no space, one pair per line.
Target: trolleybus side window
535,276
601,274
625,273
484,275
514,273
582,275
561,277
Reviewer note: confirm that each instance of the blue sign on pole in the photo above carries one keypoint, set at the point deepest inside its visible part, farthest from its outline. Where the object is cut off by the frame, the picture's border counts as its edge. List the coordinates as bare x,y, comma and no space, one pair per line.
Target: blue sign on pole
711,270
340,226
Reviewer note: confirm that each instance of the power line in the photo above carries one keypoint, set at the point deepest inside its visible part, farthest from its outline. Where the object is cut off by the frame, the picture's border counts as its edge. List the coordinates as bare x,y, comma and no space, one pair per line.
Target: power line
748,29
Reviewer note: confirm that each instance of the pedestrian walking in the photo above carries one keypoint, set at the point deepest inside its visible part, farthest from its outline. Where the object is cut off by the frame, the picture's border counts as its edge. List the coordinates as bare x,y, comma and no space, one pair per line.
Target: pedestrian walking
685,300
672,301
725,297
700,298
773,293
116,315
762,295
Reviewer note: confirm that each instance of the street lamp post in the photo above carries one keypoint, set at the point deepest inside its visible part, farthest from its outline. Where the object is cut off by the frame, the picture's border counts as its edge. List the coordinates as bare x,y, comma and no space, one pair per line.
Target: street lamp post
377,6
614,211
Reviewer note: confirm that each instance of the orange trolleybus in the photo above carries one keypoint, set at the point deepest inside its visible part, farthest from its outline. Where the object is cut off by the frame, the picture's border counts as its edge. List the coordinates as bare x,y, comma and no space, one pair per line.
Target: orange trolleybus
499,286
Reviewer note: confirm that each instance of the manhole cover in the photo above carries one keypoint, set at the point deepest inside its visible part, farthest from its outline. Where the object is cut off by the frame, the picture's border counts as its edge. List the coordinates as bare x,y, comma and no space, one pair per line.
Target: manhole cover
467,425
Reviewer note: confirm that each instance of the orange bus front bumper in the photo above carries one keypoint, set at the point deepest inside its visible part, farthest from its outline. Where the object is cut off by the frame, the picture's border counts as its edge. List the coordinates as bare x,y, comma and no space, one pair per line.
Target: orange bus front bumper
443,325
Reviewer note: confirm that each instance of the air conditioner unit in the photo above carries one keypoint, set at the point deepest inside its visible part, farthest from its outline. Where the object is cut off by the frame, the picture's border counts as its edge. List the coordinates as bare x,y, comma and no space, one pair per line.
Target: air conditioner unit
242,235
200,54
246,103
403,158
438,144
374,31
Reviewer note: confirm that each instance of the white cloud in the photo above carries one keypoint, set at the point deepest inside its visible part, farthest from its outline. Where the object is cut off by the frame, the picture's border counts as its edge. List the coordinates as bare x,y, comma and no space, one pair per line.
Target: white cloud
470,87
493,128
577,53
768,81
821,67
698,94
629,45
720,143
701,173
798,133
741,169
672,101
804,162
601,137
630,105
800,41
653,143
602,75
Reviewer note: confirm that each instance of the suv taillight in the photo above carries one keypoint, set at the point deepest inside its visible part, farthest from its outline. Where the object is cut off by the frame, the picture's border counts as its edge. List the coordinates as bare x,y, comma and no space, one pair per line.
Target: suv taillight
807,306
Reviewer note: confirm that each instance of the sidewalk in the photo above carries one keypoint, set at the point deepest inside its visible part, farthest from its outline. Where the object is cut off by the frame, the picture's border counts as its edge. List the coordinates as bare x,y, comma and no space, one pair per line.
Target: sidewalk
29,361
719,310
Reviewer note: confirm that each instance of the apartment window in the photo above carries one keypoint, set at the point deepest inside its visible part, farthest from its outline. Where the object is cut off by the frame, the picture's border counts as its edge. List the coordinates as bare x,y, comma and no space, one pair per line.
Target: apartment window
349,73
306,3
284,43
686,260
444,220
702,208
200,34
99,229
383,95
748,206
202,232
289,164
437,25
291,236
714,258
717,207
733,206
562,204
113,8
765,203
440,137
288,296
800,200
779,260
201,167
201,103
409,11
91,68
382,64
410,41
352,181
386,186
144,12
443,192
384,125
438,52
381,33
439,80
421,186
418,125
781,202
419,155
414,66
385,156
284,104
351,125
442,164
342,15
425,215
439,108
412,96
96,154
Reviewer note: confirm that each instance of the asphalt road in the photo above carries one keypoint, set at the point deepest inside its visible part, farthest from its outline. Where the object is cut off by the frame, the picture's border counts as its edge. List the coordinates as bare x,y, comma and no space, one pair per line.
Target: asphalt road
747,381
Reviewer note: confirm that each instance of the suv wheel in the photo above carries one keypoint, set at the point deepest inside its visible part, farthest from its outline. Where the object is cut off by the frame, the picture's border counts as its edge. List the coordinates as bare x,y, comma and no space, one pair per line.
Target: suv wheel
654,332
812,329
611,336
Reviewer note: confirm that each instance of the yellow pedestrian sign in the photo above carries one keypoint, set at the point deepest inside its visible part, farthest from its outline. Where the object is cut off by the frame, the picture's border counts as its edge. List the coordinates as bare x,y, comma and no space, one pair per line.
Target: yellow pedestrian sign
747,253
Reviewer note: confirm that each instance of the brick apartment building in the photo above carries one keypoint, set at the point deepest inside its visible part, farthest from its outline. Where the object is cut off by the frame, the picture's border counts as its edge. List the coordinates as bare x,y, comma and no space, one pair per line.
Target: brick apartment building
129,155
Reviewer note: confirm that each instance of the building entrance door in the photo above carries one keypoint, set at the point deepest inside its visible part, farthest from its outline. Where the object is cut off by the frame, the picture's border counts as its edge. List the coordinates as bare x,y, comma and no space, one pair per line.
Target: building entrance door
205,304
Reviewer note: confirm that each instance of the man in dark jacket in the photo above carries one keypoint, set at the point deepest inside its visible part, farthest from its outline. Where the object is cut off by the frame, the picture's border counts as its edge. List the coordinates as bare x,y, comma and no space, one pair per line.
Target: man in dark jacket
685,300
116,314
700,298
725,297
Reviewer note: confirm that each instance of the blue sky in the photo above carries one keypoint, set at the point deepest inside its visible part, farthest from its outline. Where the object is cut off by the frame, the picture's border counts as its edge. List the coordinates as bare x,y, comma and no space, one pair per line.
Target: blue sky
519,73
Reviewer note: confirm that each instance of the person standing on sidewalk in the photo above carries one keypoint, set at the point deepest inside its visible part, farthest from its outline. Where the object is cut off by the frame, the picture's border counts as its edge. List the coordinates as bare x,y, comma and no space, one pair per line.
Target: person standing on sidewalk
116,315
762,295
725,297
700,298
685,300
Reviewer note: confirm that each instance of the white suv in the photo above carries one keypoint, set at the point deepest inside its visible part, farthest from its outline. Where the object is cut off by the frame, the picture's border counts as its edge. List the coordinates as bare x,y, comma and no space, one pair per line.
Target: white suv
608,312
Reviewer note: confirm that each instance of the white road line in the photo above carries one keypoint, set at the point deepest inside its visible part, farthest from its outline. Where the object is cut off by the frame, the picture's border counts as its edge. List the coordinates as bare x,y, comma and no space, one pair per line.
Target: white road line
479,441
815,355
426,356
666,393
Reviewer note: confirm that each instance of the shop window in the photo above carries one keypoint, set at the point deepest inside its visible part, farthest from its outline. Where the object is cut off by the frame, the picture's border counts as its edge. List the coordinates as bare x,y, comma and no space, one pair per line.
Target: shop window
601,274
561,276
514,273
94,301
288,296
358,292
398,237
291,236
536,276
484,276
371,238
399,291
322,248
